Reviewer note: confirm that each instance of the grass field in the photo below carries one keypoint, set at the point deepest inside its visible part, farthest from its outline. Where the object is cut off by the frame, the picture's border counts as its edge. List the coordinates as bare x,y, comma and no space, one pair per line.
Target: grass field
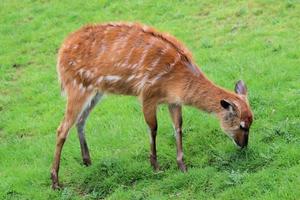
257,41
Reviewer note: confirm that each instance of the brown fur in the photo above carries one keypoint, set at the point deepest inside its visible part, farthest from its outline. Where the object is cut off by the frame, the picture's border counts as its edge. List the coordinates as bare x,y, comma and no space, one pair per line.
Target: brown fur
133,59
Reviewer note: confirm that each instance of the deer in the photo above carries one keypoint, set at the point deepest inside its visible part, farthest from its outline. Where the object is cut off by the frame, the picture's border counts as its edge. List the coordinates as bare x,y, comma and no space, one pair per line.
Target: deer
134,59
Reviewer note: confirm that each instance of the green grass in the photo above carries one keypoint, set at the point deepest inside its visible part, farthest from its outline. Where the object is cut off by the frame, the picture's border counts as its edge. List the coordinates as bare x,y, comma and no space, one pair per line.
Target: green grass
257,41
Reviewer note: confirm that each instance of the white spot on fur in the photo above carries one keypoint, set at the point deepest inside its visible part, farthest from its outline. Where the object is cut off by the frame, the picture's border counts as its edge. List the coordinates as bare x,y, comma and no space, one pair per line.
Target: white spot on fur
145,28
140,85
117,64
112,78
123,65
155,62
156,78
128,56
144,54
81,88
178,57
99,80
242,124
130,78
145,51
178,100
140,75
88,74
102,49
165,50
117,44
80,71
133,66
74,83
90,87
72,62
129,24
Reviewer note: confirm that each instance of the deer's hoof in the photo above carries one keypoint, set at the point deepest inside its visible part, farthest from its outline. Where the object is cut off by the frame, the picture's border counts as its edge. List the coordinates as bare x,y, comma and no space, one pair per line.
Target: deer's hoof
54,178
56,186
182,167
87,161
154,163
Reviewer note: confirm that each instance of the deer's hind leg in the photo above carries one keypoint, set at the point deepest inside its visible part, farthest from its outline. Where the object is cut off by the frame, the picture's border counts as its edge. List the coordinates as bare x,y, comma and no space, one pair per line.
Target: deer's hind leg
80,125
77,101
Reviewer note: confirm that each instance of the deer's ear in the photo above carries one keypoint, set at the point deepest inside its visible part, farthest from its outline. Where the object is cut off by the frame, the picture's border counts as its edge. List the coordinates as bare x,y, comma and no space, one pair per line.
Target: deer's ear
226,104
240,88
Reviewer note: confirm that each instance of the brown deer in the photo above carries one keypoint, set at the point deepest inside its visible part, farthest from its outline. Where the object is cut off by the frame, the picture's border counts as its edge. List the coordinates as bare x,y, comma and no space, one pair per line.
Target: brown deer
134,59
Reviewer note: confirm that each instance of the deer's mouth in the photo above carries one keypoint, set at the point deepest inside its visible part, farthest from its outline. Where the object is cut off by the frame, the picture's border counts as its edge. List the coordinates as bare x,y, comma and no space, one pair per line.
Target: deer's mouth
242,143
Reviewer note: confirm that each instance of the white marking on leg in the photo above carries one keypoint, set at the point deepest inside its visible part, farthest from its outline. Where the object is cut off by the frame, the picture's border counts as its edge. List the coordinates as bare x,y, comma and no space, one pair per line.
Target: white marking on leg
85,105
150,136
180,156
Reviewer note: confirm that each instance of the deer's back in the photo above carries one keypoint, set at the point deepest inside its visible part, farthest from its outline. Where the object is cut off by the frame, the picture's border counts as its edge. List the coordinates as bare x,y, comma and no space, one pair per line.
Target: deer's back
120,58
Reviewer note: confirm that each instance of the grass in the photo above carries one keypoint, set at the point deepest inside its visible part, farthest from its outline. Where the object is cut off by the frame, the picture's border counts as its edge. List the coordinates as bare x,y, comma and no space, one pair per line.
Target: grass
257,41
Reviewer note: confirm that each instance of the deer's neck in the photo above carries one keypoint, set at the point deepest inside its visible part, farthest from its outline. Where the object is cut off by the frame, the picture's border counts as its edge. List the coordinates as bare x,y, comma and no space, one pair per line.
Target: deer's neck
202,93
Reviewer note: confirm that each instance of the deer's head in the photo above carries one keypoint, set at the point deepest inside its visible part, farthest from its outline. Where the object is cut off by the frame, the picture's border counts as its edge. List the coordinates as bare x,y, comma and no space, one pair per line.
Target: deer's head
236,117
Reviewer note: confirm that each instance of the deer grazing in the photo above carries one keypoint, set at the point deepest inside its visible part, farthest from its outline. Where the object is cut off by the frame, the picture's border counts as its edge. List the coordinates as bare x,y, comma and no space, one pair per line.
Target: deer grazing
134,59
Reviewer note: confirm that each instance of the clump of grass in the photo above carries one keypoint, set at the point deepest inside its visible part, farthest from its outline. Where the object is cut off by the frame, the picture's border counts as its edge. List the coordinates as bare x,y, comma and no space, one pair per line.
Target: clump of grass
236,177
111,174
241,12
206,43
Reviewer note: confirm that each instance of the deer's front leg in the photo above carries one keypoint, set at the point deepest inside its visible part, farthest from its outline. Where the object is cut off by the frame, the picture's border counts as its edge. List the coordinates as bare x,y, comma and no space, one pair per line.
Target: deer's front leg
176,115
149,110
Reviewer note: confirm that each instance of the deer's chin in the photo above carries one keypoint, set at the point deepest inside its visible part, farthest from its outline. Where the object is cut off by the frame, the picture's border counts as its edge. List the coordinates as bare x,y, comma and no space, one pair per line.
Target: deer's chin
236,144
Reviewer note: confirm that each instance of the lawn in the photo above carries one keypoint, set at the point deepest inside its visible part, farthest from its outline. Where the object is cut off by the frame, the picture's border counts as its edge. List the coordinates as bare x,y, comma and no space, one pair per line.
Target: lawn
257,41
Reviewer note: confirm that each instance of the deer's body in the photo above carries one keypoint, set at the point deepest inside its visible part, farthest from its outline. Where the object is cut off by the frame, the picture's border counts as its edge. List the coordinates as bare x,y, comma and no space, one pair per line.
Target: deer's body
125,59
133,59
